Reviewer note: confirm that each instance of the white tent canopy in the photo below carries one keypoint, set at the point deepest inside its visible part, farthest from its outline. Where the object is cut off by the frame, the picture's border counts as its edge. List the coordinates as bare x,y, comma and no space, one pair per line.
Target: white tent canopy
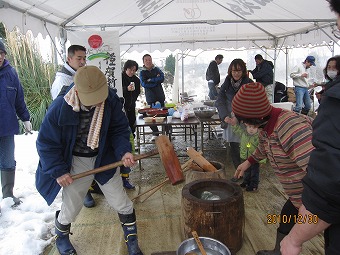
179,24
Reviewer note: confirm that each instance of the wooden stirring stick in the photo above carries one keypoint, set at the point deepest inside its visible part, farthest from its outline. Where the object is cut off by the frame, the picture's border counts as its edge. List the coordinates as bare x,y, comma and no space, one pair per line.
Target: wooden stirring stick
198,241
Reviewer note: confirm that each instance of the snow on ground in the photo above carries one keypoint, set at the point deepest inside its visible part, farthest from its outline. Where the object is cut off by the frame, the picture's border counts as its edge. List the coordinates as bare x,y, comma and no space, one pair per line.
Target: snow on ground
28,228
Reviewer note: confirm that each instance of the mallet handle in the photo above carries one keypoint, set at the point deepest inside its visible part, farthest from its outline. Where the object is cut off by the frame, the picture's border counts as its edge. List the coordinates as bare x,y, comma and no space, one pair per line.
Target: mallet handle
185,167
113,165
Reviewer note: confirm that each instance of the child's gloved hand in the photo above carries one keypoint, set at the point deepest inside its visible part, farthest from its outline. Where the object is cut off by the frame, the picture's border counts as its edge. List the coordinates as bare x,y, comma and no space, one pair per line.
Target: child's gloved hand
232,121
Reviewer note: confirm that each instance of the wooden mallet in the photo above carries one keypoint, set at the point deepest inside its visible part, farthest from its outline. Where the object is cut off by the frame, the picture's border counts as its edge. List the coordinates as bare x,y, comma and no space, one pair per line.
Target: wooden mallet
167,155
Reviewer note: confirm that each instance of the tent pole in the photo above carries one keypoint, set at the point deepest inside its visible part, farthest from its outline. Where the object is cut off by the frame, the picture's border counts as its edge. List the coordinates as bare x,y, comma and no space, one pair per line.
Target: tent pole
286,66
63,40
182,73
275,57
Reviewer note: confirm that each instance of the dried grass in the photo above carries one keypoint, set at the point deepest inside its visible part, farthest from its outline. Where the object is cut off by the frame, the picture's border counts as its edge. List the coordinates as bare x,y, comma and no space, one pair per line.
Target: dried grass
35,74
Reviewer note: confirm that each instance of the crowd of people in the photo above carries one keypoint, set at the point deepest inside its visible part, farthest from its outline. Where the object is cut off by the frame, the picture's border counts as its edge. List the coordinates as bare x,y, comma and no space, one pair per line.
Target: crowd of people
87,126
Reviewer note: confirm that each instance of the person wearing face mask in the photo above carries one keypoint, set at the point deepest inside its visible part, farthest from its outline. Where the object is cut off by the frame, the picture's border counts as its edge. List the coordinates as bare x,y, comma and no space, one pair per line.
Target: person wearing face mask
301,77
331,71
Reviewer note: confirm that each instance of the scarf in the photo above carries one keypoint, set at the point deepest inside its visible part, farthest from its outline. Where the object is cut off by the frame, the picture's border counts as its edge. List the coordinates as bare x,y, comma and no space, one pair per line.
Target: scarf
72,99
235,84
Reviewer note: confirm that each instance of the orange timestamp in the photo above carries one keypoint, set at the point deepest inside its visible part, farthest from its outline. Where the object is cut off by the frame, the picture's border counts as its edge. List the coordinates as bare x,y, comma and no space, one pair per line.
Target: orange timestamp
296,219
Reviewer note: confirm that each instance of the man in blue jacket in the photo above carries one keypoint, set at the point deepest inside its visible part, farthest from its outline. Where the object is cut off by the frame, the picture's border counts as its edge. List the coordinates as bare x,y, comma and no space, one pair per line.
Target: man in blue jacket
151,78
264,74
83,130
12,106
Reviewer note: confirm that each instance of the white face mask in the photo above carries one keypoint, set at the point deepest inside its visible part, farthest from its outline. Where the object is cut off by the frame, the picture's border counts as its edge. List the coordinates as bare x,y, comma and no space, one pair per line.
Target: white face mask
332,74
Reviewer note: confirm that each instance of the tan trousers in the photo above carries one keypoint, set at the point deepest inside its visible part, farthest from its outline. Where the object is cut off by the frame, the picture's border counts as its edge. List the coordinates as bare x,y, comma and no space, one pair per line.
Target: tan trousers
73,195
269,92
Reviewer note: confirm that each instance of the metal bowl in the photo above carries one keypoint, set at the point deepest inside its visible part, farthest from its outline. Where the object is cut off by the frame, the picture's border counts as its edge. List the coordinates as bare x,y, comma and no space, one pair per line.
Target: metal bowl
209,102
204,112
210,245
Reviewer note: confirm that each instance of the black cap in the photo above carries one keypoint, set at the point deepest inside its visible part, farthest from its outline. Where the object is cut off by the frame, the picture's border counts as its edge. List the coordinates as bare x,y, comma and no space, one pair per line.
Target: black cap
2,47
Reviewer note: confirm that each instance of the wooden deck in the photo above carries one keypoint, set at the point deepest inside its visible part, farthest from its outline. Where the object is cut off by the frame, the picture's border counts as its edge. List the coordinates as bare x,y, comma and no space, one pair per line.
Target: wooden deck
97,230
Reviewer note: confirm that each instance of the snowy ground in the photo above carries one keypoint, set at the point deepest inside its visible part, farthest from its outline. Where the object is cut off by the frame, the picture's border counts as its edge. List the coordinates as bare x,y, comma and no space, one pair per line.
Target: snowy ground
26,229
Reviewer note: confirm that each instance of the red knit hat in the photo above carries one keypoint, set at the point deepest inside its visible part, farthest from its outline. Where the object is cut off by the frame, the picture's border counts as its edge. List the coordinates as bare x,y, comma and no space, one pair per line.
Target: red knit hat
251,102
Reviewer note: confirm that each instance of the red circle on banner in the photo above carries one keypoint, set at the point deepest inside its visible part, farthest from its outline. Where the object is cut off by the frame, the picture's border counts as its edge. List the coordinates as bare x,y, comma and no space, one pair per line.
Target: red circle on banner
95,41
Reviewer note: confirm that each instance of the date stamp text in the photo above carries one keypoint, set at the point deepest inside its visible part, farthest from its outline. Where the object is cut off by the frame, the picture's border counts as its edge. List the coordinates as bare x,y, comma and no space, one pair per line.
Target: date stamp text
296,219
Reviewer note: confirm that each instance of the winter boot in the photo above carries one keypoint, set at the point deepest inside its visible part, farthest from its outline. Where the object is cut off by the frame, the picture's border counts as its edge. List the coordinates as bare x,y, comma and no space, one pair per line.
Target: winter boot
128,222
127,184
88,200
276,251
7,183
63,240
304,111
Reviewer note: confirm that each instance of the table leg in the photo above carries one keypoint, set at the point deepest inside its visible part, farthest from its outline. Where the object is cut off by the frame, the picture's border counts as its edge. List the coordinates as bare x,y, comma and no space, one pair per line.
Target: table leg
209,131
139,150
190,133
195,134
202,131
169,131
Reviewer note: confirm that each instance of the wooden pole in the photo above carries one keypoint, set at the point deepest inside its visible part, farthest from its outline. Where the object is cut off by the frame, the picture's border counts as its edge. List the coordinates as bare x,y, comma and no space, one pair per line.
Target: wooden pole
200,160
113,165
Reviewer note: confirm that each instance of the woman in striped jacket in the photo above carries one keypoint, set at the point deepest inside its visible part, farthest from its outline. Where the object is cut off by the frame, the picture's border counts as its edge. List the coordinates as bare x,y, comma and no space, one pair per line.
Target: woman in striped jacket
285,139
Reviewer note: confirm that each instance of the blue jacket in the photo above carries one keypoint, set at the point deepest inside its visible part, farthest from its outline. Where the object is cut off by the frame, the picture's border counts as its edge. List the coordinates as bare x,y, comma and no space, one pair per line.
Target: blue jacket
57,137
12,102
151,81
263,73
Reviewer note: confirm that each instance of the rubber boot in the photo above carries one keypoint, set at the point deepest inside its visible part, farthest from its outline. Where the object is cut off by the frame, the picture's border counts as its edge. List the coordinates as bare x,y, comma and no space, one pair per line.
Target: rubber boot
88,200
94,188
63,243
127,184
7,183
276,251
128,222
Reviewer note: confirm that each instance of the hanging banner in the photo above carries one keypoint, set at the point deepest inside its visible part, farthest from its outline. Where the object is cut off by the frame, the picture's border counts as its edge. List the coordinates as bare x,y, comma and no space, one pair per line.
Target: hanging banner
103,51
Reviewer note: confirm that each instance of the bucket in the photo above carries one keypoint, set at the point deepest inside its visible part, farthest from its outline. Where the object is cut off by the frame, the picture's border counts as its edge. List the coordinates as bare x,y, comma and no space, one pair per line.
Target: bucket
210,245
194,175
222,219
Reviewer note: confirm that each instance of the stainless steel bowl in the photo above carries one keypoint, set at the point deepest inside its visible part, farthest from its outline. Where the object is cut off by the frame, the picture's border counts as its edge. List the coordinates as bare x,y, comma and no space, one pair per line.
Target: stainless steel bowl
210,245
204,111
209,102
